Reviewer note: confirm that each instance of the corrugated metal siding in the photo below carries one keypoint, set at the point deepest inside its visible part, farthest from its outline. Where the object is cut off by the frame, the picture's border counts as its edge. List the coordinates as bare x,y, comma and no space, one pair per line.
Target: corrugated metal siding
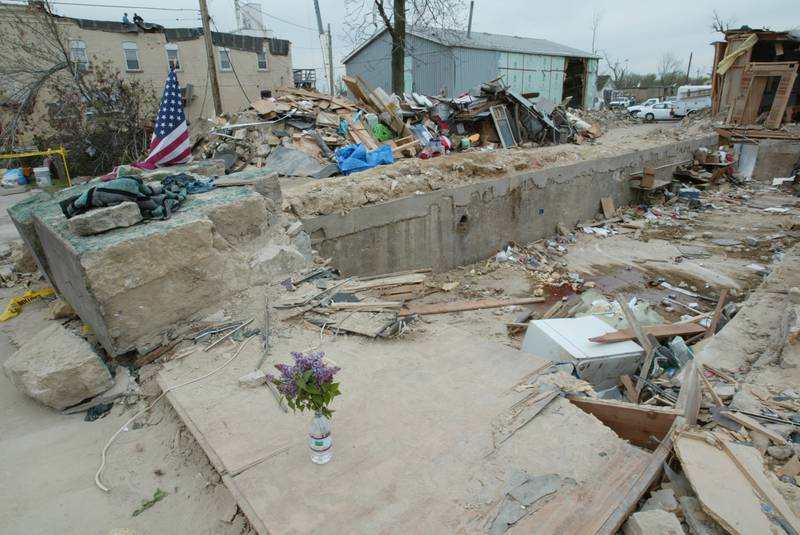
527,73
473,67
373,63
433,69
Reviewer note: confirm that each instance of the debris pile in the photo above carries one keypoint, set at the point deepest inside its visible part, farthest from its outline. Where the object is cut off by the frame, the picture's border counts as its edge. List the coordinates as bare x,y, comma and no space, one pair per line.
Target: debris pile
304,133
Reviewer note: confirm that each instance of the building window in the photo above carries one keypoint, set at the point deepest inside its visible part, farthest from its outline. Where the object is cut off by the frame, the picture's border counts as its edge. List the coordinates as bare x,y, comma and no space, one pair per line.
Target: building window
173,58
225,60
131,53
262,61
77,54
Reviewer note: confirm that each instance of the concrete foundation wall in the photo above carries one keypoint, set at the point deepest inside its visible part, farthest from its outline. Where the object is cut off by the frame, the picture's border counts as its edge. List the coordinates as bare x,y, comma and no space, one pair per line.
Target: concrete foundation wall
457,226
775,159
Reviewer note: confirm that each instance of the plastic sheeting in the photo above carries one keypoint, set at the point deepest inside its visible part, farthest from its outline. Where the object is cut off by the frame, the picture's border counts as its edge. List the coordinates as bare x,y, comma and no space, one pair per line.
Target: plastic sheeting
355,158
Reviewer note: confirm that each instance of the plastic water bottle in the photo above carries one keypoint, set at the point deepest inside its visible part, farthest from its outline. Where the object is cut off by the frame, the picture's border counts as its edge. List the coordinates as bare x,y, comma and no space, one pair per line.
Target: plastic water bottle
319,439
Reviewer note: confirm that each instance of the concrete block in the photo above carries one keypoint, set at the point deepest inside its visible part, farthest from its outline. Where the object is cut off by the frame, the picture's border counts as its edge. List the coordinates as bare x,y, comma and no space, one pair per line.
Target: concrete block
698,521
661,499
135,283
58,368
275,261
104,219
655,522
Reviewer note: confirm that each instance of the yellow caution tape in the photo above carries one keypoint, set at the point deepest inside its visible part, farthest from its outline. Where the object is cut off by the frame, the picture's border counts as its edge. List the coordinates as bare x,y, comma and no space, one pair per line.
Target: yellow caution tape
15,305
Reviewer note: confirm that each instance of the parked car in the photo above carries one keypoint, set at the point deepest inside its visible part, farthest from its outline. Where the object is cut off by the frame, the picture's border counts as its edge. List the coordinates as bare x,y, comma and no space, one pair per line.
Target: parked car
692,98
658,112
619,103
633,110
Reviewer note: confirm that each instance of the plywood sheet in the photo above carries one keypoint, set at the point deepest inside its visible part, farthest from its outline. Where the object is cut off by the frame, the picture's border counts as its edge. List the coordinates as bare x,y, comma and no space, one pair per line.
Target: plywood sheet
724,492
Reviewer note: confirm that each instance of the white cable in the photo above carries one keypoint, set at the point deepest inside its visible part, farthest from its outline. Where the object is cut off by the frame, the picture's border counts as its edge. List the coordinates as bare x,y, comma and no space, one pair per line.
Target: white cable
164,393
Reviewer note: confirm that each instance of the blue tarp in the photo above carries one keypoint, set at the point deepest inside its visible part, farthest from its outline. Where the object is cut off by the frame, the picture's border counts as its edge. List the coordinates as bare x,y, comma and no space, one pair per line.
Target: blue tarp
355,158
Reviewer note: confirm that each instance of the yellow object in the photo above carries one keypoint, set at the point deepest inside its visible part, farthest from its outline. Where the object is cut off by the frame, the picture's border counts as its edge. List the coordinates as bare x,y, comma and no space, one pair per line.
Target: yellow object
15,305
730,59
474,138
60,151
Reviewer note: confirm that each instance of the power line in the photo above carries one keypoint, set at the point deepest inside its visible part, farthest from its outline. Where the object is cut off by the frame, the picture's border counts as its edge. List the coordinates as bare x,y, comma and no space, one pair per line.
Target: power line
125,7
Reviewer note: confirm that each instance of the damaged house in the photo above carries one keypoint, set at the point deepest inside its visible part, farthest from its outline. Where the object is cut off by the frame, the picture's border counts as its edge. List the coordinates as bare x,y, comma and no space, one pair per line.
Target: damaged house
450,62
756,97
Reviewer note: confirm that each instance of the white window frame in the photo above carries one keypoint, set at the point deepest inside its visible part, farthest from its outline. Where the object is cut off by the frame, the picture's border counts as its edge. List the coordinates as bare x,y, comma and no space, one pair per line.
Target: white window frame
130,45
82,64
169,47
227,52
258,61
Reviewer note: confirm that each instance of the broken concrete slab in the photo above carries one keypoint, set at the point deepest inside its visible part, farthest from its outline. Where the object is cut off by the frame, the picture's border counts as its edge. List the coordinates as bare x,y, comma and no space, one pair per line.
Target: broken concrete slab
135,283
655,522
58,368
106,218
409,456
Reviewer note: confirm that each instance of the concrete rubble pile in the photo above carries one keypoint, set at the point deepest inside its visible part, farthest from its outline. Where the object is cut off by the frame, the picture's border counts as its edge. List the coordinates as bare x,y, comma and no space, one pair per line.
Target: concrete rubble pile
304,133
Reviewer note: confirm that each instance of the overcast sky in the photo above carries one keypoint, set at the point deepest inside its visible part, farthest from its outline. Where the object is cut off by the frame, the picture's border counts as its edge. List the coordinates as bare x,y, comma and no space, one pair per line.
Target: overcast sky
639,35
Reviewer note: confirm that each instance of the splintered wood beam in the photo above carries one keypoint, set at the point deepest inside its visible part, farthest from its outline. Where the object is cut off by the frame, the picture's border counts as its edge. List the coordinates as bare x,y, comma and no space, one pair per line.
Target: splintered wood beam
643,426
659,331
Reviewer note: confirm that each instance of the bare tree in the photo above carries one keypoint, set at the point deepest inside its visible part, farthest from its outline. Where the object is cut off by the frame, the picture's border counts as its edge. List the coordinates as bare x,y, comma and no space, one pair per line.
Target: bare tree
365,18
719,25
668,64
55,95
617,68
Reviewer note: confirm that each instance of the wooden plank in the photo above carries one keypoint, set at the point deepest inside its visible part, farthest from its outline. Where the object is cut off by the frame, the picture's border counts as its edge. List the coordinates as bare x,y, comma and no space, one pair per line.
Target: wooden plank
399,280
712,328
599,506
751,464
630,389
781,100
643,426
753,425
607,203
659,331
711,392
503,125
374,305
445,308
723,490
633,323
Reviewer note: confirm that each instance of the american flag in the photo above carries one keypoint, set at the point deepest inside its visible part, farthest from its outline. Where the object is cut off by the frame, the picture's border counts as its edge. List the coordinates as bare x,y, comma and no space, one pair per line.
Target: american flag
170,144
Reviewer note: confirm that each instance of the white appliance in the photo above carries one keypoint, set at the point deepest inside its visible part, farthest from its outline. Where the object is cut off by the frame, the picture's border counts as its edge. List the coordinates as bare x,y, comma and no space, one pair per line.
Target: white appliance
566,341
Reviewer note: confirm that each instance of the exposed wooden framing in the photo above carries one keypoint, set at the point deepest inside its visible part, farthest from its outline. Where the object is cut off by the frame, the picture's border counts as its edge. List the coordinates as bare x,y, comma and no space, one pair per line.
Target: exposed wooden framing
751,90
641,425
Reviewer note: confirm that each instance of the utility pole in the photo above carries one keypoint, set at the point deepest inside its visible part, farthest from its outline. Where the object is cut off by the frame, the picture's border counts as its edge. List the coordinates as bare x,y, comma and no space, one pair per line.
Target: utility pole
330,60
212,64
689,69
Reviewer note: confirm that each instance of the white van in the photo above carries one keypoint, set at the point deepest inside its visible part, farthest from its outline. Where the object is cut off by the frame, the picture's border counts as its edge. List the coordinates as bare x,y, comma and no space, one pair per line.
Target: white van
692,98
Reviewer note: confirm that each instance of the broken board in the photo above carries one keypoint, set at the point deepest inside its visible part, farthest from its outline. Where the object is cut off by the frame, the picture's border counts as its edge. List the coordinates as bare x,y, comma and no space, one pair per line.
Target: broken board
659,331
723,490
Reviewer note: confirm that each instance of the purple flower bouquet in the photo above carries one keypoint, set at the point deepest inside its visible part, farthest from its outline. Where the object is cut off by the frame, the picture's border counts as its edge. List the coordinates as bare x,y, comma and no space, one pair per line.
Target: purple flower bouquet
308,383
